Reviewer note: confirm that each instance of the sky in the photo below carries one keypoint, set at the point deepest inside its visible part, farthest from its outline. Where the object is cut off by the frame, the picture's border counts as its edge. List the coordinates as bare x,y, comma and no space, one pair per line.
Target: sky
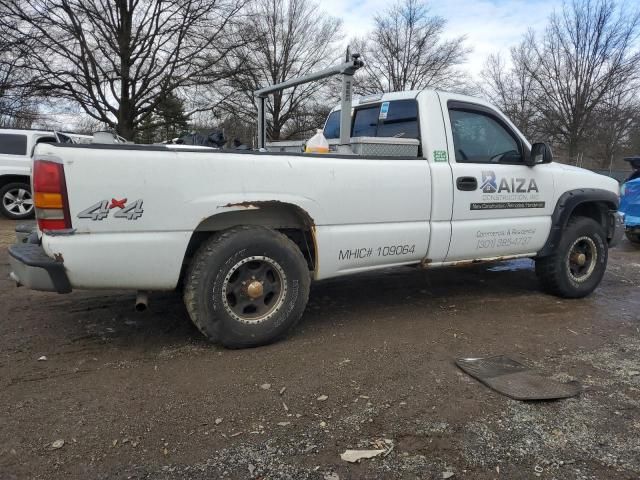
489,25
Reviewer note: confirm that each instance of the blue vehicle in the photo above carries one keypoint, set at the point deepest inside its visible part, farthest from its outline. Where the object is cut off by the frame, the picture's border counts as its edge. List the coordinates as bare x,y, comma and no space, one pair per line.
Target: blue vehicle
630,202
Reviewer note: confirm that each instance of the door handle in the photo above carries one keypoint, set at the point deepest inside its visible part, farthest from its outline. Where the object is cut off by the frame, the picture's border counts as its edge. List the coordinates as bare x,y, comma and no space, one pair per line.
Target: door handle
467,184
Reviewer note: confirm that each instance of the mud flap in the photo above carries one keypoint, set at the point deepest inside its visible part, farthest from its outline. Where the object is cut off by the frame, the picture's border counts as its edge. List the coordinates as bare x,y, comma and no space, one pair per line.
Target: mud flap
515,380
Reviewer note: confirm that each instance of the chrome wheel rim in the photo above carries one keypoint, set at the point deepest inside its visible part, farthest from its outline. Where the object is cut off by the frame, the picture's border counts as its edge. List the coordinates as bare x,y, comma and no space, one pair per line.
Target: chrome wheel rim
581,259
254,289
18,201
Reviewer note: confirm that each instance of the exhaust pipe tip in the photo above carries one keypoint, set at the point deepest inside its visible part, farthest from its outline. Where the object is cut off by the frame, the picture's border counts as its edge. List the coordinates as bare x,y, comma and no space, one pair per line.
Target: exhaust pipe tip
141,307
142,301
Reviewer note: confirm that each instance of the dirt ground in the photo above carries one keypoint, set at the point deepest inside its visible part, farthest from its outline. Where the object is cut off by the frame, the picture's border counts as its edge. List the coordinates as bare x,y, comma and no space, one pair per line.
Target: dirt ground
143,396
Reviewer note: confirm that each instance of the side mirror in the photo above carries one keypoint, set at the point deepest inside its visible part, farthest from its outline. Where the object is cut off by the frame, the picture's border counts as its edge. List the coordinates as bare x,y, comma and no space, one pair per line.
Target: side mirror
540,153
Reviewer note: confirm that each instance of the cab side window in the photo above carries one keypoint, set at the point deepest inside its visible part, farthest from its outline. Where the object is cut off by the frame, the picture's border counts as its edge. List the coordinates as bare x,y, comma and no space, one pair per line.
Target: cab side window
480,138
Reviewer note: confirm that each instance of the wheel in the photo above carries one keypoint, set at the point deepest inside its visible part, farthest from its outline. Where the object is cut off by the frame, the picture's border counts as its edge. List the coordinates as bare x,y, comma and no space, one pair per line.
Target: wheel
577,266
633,237
15,201
247,286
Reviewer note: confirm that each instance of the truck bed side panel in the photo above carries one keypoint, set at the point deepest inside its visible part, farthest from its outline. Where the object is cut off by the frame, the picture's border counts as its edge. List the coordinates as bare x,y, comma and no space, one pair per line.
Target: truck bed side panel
346,198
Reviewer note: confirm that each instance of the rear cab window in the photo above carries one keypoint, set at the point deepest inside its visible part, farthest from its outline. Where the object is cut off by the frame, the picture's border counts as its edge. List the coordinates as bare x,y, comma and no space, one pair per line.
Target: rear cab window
395,118
332,126
13,144
365,122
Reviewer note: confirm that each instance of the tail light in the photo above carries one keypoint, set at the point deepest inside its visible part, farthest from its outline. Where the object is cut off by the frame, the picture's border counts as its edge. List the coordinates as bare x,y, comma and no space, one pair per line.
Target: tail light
50,196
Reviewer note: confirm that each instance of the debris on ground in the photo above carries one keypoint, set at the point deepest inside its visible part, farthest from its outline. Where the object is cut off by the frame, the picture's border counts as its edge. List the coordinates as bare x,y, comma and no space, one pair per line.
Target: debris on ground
57,444
43,358
322,398
354,456
265,386
515,380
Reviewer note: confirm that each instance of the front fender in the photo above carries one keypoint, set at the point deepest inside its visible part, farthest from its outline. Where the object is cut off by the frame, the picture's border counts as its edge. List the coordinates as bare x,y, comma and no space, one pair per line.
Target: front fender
567,204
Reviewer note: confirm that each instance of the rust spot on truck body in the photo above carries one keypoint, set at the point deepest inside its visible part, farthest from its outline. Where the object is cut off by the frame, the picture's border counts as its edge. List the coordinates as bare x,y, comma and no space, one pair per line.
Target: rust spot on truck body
246,205
58,257
272,203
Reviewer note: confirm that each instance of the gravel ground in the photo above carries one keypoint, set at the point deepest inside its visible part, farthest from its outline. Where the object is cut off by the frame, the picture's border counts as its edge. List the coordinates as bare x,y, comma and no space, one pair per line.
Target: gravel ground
124,395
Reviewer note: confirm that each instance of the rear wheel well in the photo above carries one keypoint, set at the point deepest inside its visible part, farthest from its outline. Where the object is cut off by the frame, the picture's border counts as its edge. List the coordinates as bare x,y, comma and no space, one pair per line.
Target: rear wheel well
287,219
6,179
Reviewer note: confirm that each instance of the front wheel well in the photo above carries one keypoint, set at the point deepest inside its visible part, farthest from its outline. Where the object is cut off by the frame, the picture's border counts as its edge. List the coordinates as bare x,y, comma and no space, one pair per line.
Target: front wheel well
597,211
596,204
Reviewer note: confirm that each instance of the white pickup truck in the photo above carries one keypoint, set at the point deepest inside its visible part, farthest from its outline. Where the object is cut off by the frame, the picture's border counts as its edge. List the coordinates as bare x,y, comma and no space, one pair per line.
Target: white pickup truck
244,233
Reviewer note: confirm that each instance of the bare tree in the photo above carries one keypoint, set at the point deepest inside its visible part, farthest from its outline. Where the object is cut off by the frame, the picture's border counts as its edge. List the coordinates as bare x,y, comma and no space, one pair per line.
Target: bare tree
288,38
406,51
513,89
119,58
613,123
587,50
17,108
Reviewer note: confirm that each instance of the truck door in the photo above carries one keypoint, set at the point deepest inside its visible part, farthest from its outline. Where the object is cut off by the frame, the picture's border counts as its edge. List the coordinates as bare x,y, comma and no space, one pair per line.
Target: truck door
501,206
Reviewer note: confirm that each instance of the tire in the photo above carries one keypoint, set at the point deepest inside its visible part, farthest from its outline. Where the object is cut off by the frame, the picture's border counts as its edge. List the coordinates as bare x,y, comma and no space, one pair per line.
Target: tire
633,238
566,273
16,202
262,309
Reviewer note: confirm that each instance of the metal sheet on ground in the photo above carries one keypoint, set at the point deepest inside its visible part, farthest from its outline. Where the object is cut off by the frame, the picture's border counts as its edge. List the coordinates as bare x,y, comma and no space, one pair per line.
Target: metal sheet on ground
515,380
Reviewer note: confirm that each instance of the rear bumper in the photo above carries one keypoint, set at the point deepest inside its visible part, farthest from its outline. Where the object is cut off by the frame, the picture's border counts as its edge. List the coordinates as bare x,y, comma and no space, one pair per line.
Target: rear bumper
33,268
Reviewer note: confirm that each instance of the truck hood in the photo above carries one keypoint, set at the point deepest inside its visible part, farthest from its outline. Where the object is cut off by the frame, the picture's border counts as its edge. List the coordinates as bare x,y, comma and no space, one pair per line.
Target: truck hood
581,178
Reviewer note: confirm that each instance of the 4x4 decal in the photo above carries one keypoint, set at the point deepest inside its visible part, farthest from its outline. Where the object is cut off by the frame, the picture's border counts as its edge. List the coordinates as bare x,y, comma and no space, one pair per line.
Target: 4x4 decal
100,211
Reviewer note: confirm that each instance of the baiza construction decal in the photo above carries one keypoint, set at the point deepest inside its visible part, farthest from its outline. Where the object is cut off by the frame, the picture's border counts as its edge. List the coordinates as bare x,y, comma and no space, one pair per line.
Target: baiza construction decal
507,193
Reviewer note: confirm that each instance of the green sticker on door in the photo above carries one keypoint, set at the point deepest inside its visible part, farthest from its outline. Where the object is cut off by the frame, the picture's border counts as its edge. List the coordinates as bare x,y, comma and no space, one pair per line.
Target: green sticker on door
439,155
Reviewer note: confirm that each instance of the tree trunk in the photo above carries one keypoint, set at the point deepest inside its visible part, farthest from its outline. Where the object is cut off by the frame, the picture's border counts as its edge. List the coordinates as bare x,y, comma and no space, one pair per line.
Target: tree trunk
126,110
126,127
